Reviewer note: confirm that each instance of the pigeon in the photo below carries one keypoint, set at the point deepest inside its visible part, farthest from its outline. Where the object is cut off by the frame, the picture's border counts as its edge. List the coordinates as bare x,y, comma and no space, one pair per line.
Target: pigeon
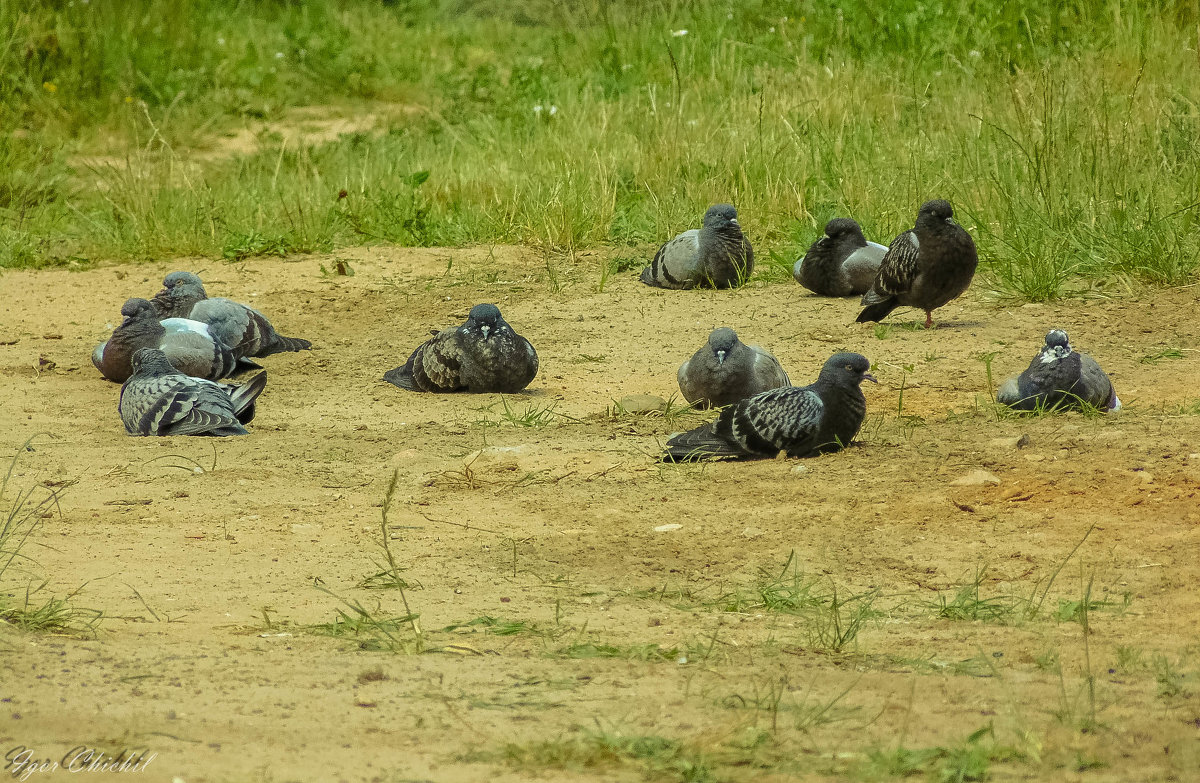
841,263
243,328
924,267
726,370
801,420
716,255
188,345
1058,378
482,355
160,400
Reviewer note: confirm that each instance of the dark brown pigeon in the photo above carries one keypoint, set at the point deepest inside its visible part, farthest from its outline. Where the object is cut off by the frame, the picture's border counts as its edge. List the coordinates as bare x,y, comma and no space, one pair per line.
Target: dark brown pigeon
716,255
188,345
924,267
482,355
801,420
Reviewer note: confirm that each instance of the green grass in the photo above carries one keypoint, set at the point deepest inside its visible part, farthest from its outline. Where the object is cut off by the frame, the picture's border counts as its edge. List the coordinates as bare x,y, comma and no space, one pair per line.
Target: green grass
1066,135
655,756
22,514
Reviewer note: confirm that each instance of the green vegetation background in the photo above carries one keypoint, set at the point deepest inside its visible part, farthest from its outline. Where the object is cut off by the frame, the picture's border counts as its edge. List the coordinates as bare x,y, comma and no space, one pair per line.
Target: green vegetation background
1067,135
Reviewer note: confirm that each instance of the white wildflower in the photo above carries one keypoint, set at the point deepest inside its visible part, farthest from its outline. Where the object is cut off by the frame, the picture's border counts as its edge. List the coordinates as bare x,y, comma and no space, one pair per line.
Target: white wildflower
678,33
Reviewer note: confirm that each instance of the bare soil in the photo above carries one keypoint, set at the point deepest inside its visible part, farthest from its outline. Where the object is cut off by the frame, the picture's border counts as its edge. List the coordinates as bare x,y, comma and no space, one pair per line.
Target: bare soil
205,555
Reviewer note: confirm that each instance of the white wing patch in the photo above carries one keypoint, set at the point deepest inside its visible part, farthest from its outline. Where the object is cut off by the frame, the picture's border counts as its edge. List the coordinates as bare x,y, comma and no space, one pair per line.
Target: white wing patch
912,238
186,325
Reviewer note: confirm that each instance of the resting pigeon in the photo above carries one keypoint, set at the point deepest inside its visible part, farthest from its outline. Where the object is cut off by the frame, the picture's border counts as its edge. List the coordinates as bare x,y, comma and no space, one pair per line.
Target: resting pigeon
243,328
482,355
801,420
727,370
715,255
188,345
924,267
841,263
1059,377
160,400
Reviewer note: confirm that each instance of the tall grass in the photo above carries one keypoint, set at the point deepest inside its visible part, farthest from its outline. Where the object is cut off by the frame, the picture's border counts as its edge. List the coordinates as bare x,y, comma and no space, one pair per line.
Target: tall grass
1066,135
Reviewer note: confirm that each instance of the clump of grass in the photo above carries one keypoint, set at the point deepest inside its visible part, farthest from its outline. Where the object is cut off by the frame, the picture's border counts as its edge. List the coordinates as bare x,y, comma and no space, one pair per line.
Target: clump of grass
373,629
608,749
24,516
970,759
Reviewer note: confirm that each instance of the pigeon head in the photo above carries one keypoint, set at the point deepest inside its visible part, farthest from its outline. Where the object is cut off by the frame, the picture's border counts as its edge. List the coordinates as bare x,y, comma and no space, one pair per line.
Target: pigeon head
722,342
935,211
134,308
486,319
847,369
721,216
178,279
150,361
1057,346
839,227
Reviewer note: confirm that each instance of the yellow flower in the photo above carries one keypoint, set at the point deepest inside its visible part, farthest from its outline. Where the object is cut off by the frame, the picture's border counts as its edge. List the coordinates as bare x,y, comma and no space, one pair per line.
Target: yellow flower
128,99
49,86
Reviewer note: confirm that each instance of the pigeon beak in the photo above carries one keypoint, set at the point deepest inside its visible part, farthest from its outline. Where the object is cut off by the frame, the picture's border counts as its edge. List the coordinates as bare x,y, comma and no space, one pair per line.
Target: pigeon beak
869,377
720,357
485,329
734,221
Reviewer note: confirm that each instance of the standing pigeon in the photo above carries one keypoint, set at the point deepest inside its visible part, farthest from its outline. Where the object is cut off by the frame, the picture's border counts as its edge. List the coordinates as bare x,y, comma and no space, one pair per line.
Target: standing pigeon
841,263
1059,377
243,328
715,255
924,267
801,420
160,400
188,345
482,355
726,370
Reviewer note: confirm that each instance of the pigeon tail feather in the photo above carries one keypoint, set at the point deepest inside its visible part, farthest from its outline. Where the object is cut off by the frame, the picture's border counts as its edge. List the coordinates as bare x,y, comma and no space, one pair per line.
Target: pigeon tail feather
877,311
283,344
700,443
244,397
402,376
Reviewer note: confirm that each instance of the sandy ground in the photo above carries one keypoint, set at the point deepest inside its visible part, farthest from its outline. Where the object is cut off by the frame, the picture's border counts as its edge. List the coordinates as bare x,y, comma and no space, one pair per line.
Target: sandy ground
204,555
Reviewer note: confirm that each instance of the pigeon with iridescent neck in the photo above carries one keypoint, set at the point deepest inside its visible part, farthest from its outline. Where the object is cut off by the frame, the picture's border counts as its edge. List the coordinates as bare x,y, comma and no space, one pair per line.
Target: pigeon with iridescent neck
716,255
727,370
1059,377
482,355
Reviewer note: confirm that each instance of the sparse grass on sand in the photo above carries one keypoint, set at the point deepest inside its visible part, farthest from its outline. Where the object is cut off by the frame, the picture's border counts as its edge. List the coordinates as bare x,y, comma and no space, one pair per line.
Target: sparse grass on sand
1066,135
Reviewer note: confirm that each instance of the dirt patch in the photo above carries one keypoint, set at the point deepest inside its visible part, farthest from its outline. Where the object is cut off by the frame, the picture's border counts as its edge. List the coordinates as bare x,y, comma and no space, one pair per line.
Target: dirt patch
720,649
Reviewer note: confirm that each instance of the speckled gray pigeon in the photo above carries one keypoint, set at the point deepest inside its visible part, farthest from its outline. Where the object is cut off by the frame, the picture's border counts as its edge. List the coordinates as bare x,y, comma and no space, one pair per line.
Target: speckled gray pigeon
800,420
715,255
727,370
482,355
924,267
188,345
1059,377
160,400
841,263
242,328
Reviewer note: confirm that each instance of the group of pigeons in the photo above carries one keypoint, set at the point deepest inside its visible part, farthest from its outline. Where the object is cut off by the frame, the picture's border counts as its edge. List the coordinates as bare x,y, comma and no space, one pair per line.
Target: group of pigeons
170,350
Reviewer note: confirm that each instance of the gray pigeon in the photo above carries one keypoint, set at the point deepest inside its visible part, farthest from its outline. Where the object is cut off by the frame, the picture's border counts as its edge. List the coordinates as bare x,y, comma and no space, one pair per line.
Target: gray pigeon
188,345
715,255
924,267
800,420
727,370
841,263
482,355
242,328
160,400
1059,378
